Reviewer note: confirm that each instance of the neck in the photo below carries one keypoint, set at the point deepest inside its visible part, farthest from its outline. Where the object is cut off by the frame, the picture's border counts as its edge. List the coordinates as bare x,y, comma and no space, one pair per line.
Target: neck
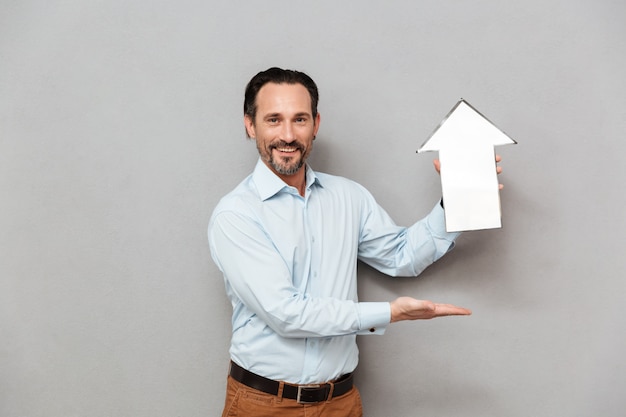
297,180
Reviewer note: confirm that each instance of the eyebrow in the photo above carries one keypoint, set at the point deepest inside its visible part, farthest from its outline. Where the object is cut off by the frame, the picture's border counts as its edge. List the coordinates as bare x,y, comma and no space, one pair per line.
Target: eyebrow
300,114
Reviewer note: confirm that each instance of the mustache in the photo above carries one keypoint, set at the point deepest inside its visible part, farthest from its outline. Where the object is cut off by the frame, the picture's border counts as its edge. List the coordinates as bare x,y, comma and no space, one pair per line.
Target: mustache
283,144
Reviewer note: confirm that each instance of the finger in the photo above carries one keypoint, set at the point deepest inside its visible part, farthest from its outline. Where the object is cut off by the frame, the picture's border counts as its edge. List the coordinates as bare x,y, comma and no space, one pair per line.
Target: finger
437,165
499,170
451,310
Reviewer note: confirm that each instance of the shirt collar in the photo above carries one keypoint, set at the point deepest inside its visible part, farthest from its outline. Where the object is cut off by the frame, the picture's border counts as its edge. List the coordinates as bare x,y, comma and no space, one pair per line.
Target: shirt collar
269,184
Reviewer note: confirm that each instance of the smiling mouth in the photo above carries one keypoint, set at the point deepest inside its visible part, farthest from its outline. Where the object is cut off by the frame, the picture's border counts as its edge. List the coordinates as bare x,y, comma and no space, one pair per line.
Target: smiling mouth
287,150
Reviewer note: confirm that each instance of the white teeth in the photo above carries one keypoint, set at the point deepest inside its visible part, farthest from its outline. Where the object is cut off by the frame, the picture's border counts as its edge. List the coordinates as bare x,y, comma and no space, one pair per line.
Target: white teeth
286,149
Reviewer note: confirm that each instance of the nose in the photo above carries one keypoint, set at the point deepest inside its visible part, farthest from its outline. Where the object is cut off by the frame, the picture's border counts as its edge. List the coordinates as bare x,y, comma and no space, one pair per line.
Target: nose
287,133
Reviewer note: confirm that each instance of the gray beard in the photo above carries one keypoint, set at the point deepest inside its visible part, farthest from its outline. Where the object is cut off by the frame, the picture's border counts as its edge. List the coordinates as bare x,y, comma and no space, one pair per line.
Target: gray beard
284,169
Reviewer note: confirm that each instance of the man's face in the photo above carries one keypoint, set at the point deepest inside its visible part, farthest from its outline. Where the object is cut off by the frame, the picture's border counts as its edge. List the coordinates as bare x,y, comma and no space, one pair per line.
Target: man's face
284,127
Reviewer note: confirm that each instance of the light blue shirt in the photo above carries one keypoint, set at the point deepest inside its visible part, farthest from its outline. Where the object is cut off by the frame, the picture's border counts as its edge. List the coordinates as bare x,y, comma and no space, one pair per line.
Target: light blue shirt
290,269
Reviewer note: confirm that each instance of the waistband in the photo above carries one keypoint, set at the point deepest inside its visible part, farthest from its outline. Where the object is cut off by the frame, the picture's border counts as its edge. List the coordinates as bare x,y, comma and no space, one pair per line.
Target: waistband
304,394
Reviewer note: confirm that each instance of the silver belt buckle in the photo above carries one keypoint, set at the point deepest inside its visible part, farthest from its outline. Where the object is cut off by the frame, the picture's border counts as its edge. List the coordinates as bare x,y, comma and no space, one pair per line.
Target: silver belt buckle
304,387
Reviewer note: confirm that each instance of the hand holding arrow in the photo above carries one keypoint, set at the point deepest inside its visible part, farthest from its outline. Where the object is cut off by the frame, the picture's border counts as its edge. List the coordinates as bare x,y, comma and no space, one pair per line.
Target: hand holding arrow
465,141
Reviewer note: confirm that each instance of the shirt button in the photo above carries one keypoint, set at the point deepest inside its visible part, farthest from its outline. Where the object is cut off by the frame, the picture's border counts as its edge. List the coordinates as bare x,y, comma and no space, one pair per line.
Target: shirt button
373,329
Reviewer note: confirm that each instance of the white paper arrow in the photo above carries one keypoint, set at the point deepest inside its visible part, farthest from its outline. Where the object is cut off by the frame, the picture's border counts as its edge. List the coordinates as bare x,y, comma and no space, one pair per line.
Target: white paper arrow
465,140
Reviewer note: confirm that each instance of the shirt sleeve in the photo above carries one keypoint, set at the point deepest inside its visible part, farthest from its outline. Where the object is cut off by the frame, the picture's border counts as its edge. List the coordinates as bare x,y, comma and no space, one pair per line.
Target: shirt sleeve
403,251
258,277
374,317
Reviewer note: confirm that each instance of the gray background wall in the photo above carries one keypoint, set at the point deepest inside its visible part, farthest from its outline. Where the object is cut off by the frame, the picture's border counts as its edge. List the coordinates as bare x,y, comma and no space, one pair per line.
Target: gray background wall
120,128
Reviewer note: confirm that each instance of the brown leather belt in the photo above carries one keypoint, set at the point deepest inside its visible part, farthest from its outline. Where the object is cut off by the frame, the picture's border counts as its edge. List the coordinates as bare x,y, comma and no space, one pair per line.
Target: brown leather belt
304,394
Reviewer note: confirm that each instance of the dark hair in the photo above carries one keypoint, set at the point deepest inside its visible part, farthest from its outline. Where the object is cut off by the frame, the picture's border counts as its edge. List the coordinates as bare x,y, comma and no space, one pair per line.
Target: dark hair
278,76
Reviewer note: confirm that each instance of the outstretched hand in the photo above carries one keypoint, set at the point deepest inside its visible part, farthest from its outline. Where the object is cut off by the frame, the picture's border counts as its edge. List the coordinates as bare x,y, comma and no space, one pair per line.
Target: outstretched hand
437,164
407,308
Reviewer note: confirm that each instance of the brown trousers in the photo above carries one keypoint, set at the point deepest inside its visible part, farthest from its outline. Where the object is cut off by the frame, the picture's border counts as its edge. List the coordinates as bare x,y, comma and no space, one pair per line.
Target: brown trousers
243,401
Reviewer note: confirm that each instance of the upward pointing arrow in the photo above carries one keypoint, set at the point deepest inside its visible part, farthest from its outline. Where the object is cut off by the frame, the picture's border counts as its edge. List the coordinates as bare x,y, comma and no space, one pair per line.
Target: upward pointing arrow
465,140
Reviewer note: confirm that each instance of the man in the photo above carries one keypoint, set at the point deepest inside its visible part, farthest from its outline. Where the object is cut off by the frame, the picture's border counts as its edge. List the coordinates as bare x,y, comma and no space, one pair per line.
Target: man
287,240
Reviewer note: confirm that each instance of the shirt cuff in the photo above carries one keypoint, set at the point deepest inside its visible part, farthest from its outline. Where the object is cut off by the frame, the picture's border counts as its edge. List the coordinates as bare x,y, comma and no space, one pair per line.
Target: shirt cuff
374,317
437,225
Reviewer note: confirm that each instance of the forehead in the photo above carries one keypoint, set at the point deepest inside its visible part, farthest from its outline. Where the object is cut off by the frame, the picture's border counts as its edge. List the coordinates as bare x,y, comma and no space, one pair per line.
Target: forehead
283,98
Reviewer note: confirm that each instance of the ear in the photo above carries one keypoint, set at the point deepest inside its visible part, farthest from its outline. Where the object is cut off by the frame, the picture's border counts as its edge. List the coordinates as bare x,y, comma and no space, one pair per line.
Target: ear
317,124
249,124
